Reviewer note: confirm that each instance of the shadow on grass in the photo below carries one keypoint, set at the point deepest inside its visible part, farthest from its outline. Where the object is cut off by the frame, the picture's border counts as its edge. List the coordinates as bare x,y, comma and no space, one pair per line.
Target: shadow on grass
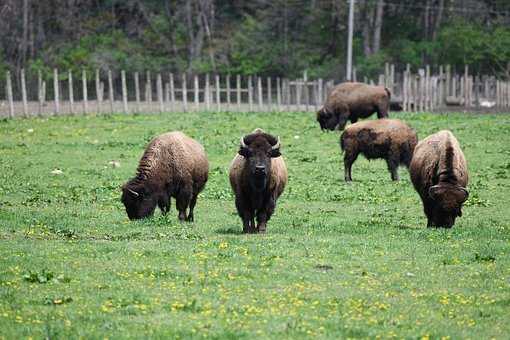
230,231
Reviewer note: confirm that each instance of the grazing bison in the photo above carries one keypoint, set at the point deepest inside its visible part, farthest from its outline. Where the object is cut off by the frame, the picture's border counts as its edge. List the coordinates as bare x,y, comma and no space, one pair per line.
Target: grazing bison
390,139
258,176
351,101
173,165
440,176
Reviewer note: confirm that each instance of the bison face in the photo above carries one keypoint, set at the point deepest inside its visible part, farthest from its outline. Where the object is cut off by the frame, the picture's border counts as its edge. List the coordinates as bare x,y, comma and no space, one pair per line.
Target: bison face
448,199
258,149
139,202
327,120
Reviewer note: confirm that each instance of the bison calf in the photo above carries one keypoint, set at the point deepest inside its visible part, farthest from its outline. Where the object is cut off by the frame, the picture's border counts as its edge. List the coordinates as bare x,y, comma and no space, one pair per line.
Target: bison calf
440,176
390,139
258,176
173,165
351,101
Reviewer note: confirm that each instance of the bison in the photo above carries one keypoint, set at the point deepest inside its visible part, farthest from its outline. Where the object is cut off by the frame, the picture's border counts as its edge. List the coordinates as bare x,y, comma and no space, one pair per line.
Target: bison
439,174
173,165
390,139
258,176
351,101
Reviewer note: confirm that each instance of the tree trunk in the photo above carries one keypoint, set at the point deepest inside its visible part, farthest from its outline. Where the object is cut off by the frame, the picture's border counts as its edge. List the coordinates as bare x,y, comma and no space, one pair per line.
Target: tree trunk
439,18
24,39
378,26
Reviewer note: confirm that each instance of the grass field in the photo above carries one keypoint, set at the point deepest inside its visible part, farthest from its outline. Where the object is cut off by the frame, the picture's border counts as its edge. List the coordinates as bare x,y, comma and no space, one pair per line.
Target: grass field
338,260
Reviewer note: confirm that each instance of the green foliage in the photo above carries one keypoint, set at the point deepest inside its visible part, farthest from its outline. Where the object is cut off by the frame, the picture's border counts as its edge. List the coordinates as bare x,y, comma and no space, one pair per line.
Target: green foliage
338,260
468,43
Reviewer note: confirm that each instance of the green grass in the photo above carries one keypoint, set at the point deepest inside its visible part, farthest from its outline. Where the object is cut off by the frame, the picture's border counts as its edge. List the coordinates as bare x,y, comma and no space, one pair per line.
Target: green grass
338,260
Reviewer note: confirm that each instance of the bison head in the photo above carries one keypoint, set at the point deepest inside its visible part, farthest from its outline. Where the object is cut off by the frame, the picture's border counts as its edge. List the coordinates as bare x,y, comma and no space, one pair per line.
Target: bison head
258,149
330,120
139,201
448,199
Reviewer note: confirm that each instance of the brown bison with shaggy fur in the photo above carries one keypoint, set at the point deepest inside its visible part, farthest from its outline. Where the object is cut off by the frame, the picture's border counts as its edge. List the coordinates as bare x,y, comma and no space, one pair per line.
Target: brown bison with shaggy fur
390,139
351,101
439,174
173,165
258,176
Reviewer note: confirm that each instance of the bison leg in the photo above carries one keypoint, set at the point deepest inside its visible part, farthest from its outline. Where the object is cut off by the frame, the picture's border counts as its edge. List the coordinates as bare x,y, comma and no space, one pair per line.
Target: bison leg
265,214
246,215
349,159
192,204
393,168
182,202
164,204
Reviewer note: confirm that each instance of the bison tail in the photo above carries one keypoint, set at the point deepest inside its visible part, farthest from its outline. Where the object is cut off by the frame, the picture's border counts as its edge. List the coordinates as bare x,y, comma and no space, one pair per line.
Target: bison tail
388,92
342,141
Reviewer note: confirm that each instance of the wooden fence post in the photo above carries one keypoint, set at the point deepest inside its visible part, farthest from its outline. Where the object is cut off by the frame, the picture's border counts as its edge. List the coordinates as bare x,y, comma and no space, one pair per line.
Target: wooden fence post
386,75
427,88
507,94
306,92
184,93
278,94
440,95
39,91
137,92
196,94
354,74
320,92
207,92
55,91
8,85
448,82
71,91
269,94
413,88
288,93
172,92
159,90
404,90
228,92
466,86
259,93
238,85
24,93
299,90
392,78
124,91
148,89
99,92
110,90
250,93
218,96
85,91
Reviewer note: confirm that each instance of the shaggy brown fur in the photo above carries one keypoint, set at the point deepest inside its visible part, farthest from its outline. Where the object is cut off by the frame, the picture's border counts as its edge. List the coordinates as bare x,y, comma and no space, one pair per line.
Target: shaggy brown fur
173,165
258,176
390,139
351,101
439,174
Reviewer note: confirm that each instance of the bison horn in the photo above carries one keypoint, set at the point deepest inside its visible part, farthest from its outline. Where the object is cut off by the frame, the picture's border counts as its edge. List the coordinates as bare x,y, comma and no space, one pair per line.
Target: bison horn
133,192
243,145
277,145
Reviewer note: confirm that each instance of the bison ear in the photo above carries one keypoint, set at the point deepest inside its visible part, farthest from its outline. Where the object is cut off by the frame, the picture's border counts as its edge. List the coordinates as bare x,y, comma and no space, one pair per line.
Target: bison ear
465,194
434,191
245,152
275,153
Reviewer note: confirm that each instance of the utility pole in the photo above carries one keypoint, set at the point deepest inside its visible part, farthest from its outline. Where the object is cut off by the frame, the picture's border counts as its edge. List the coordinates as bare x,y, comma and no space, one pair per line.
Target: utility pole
349,41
